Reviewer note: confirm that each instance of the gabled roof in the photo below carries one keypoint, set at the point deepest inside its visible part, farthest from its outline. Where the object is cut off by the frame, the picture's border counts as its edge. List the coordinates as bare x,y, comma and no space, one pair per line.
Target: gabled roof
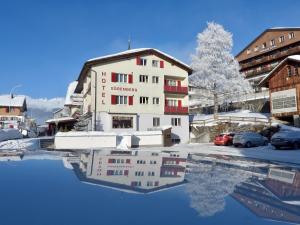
265,31
292,57
125,55
13,101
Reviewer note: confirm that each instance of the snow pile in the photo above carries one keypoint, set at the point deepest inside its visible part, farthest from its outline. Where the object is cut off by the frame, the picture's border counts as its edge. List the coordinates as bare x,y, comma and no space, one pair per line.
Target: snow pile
70,92
10,134
22,144
209,185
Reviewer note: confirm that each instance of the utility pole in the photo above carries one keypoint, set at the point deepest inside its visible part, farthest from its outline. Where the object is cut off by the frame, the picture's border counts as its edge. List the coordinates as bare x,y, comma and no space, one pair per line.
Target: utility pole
95,99
11,96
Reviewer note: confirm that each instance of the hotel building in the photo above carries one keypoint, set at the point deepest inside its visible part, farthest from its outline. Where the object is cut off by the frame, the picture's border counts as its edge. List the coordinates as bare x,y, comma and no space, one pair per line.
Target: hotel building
266,51
134,171
136,90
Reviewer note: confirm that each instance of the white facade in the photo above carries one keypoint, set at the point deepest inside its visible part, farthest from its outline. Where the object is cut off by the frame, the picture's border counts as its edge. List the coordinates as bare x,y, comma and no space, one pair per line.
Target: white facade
138,92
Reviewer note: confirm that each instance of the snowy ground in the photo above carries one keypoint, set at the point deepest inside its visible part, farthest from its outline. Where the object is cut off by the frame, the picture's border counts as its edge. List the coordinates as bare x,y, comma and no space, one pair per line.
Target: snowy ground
20,144
264,152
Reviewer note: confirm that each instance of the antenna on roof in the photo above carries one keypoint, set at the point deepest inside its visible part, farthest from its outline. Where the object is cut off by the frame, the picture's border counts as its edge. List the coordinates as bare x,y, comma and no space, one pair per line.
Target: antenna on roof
129,43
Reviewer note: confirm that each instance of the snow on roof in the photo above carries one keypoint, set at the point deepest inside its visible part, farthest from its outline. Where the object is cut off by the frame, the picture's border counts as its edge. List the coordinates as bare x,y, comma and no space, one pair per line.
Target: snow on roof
71,89
136,51
292,57
16,101
62,119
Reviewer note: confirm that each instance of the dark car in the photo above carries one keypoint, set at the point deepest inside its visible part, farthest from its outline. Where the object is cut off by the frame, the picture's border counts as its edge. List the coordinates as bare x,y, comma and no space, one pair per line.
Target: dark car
286,139
224,139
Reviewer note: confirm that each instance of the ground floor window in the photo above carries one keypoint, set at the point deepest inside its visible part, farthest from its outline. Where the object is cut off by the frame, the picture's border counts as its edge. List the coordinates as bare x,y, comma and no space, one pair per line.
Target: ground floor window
176,122
122,122
156,121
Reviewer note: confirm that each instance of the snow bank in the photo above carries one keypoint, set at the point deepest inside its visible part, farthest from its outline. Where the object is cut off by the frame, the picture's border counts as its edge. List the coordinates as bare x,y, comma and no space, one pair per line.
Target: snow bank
10,134
22,144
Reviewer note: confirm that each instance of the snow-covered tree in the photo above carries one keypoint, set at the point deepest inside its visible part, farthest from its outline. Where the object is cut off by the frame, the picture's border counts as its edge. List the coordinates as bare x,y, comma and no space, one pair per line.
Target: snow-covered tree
215,68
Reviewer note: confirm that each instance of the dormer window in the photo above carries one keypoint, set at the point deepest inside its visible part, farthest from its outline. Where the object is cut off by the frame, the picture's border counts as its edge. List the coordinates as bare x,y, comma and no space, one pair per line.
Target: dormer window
256,49
296,73
248,51
281,39
264,45
291,35
272,42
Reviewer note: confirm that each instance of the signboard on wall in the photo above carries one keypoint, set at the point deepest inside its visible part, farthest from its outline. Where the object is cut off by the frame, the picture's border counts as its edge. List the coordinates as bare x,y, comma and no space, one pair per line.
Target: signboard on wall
284,101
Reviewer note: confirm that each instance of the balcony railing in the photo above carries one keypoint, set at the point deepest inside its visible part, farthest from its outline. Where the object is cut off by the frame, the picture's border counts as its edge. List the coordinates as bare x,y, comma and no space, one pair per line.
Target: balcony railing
276,55
176,110
176,89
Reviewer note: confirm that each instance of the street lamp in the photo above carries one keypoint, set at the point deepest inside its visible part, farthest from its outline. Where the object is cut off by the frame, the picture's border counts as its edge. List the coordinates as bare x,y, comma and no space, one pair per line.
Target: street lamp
11,95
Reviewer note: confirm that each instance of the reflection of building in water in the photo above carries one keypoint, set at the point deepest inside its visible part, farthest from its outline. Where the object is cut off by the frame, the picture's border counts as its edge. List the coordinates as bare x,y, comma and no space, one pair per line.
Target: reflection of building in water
137,171
277,197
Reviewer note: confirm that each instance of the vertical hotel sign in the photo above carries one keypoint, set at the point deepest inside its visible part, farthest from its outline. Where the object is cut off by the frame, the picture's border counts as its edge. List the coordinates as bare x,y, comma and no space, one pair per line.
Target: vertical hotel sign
103,88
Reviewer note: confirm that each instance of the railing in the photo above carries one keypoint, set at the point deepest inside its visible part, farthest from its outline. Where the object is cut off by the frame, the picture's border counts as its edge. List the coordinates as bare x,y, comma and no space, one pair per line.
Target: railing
176,89
231,119
275,55
176,110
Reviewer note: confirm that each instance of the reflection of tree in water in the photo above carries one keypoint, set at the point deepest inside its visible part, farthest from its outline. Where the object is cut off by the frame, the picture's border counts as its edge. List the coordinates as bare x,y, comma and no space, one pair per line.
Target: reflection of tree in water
208,185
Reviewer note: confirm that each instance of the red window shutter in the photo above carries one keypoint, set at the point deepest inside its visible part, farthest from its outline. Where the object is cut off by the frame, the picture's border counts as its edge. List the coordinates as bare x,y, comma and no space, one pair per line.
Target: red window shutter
166,82
126,172
166,102
128,161
113,77
110,160
130,78
179,103
161,64
138,61
130,100
178,83
113,99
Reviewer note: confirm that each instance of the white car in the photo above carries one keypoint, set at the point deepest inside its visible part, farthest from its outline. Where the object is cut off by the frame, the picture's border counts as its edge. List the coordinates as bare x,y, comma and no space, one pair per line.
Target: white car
249,139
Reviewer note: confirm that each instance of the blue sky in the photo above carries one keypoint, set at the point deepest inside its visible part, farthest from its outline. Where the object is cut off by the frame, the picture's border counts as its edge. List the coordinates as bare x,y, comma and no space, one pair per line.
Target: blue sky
43,44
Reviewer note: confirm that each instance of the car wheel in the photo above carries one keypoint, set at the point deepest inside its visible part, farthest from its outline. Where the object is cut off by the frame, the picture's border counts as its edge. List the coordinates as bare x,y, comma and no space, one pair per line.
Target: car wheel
296,145
248,144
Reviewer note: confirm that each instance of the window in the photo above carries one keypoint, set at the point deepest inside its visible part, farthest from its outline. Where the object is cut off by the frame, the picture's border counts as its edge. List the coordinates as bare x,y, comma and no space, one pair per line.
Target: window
289,71
155,63
264,45
155,101
296,73
141,162
176,122
143,62
144,100
122,122
171,82
281,39
121,77
143,78
121,100
156,121
139,173
272,42
155,79
256,48
291,35
171,102
248,51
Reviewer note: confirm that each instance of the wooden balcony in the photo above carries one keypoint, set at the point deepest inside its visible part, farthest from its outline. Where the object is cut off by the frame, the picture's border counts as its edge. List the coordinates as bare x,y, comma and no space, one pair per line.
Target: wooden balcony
176,110
176,89
272,56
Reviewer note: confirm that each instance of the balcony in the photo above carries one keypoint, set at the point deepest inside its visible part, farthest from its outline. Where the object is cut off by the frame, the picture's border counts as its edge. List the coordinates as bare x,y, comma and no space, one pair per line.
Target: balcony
176,110
176,89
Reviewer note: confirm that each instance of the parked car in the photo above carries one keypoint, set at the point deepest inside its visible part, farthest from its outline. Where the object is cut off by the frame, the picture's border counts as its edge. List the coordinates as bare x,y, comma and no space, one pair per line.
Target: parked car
224,139
290,139
249,139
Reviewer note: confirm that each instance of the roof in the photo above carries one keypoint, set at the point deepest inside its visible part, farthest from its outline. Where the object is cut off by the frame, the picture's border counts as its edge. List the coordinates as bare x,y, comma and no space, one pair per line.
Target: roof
292,57
125,55
61,120
16,101
265,31
71,89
